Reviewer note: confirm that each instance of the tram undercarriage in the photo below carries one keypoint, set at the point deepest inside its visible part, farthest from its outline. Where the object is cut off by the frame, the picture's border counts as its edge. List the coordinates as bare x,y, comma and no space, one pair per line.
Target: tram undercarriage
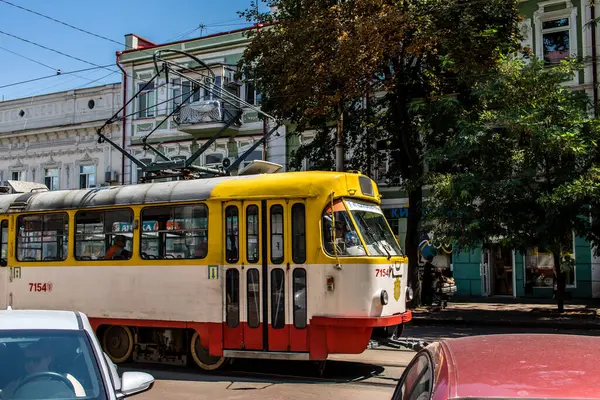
181,347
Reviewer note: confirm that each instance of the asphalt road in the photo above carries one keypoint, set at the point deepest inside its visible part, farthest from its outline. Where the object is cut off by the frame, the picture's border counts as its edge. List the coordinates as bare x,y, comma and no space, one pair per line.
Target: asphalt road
436,332
372,374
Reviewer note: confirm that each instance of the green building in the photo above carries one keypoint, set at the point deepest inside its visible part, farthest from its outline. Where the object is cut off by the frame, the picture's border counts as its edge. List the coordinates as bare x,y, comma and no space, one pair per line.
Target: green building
553,30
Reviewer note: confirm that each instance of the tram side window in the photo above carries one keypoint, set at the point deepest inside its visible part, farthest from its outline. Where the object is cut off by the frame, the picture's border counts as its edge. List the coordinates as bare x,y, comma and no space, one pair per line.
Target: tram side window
232,234
277,298
298,234
179,232
104,235
232,288
4,256
252,240
299,298
277,254
343,240
253,290
43,237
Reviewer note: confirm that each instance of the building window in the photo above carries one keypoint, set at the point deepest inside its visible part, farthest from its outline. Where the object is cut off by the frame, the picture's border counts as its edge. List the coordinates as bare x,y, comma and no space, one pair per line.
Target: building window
146,100
555,31
51,177
87,176
254,155
555,40
42,237
252,95
175,232
16,175
540,272
103,235
214,160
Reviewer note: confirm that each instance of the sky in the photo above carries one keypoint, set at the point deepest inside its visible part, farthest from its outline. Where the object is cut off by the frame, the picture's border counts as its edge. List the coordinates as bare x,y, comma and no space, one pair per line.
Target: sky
159,21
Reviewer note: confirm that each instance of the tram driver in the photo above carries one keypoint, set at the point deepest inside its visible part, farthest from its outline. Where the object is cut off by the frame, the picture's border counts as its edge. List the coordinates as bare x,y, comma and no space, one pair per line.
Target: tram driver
347,242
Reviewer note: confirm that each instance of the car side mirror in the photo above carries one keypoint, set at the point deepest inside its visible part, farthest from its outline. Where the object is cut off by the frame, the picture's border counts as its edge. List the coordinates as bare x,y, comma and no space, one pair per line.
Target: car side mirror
134,383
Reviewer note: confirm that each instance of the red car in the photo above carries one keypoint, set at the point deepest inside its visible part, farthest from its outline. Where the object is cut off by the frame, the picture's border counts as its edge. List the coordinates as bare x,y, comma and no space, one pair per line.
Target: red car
511,366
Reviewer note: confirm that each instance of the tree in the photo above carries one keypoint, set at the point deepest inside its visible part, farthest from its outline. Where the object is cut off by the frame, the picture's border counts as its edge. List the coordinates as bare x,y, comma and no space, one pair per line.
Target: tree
319,56
517,166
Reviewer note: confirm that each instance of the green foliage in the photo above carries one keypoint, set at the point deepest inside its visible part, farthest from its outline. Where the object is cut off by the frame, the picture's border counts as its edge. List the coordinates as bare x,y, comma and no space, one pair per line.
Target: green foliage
317,57
517,163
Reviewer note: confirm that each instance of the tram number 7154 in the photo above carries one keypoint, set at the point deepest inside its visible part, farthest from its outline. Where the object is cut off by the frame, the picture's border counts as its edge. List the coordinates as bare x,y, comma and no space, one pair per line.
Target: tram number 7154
383,272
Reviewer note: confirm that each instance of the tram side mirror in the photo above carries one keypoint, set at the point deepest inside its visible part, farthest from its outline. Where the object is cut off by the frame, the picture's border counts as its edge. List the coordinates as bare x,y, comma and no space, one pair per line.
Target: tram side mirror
3,262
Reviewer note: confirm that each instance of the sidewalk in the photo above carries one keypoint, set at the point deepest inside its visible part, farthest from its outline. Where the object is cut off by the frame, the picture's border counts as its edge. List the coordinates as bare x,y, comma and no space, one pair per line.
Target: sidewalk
511,312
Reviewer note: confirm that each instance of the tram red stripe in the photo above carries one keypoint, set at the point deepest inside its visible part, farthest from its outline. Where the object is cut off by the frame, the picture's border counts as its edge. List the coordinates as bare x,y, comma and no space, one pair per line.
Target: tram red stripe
371,322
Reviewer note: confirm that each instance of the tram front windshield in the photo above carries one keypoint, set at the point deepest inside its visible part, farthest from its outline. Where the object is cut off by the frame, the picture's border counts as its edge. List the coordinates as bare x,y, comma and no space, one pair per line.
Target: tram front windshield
372,227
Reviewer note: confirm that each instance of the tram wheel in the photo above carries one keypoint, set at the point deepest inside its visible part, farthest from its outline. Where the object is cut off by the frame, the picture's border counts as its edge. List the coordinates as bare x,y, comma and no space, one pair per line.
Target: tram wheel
117,342
201,357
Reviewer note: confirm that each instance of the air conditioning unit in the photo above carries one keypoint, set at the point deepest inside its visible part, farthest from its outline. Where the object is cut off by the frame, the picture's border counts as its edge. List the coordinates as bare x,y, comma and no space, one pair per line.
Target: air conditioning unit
110,176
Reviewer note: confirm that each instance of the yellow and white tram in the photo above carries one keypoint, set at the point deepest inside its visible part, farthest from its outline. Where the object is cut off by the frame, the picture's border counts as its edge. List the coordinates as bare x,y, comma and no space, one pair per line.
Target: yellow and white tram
294,265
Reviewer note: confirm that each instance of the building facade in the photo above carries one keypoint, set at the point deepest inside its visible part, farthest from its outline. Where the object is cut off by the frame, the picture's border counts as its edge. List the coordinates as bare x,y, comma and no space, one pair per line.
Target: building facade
201,115
553,30
52,138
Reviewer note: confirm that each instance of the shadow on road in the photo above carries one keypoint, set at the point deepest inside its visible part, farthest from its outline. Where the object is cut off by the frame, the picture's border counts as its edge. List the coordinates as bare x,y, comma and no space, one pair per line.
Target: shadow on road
264,373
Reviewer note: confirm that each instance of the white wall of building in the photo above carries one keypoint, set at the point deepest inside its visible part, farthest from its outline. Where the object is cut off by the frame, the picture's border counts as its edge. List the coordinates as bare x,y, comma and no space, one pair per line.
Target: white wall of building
55,135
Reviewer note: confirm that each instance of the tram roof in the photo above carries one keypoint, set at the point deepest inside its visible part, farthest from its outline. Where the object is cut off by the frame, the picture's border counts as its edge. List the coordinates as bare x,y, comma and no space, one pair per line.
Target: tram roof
279,185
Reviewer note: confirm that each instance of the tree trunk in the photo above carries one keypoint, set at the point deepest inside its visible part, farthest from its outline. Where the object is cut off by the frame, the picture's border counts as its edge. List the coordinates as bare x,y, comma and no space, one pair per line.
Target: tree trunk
560,282
415,207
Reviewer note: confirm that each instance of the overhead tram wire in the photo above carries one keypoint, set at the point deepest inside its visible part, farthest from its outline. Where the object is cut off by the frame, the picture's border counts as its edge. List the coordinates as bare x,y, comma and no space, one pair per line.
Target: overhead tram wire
41,63
49,76
88,32
55,51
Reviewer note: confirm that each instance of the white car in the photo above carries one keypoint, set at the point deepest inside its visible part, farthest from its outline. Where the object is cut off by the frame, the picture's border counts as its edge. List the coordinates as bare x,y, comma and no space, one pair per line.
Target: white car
50,354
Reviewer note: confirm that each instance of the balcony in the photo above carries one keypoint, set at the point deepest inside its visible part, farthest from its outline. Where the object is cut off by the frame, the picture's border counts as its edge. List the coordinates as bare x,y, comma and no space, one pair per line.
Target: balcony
204,114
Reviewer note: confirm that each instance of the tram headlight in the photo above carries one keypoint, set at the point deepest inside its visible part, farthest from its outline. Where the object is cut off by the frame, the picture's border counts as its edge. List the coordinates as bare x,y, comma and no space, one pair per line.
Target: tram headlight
383,297
409,293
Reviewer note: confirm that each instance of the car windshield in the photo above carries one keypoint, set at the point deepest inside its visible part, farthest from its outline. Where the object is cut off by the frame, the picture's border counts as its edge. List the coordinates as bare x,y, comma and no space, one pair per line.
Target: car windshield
374,229
48,364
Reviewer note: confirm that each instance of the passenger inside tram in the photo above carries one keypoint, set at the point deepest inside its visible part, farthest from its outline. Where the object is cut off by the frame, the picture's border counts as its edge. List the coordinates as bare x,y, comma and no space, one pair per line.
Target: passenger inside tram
117,250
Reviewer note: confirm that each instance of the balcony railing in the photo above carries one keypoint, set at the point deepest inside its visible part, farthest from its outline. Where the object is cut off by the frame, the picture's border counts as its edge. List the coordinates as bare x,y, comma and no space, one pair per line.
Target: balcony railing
204,111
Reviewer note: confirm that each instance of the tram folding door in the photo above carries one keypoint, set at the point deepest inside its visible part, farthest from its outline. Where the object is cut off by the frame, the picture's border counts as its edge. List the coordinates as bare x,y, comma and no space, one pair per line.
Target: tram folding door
257,288
5,271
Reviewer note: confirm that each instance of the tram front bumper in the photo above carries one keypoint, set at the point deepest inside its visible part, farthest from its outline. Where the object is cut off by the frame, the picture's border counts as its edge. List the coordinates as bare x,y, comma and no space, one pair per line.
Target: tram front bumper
346,335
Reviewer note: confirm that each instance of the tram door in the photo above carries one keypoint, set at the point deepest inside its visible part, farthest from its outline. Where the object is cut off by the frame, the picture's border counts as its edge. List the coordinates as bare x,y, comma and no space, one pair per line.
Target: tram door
5,271
260,287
